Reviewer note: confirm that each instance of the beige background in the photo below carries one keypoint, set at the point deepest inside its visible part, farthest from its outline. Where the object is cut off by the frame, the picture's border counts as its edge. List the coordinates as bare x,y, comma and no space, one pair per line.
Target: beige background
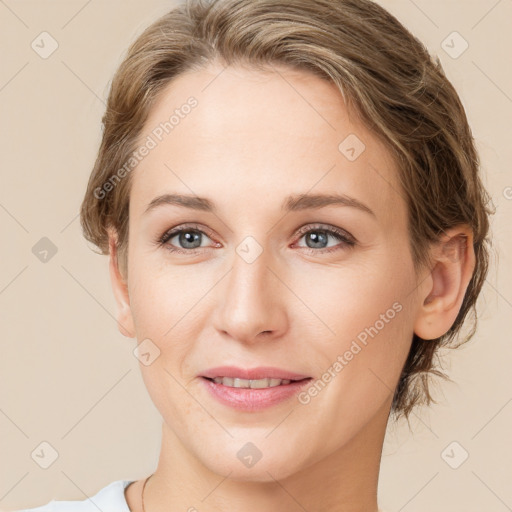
69,378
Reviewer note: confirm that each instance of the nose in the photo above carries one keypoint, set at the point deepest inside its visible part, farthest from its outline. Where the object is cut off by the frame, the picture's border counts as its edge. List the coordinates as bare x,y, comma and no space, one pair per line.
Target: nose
251,302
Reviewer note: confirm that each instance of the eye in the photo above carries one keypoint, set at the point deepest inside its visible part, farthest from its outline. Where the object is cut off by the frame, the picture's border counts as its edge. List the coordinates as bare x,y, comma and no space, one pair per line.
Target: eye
189,237
317,238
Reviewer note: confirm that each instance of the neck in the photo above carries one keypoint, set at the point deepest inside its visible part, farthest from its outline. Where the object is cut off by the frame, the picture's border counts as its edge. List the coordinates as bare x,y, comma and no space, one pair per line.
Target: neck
345,481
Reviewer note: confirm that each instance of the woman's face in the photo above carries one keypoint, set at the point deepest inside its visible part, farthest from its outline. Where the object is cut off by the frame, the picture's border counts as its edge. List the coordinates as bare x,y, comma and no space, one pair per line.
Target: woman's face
262,275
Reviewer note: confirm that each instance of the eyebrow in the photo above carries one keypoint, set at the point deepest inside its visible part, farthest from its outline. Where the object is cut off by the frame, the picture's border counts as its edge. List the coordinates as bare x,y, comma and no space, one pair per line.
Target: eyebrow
292,203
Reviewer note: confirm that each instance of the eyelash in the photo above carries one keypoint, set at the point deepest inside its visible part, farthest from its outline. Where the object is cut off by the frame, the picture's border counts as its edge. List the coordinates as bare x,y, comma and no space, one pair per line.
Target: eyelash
341,235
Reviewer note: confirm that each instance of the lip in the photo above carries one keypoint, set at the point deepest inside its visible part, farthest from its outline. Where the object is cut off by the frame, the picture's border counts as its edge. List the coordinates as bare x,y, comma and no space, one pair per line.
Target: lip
249,399
261,372
252,400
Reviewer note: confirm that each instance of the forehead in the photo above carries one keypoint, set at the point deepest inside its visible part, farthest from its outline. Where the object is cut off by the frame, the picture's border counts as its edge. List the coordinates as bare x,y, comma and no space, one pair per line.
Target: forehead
253,137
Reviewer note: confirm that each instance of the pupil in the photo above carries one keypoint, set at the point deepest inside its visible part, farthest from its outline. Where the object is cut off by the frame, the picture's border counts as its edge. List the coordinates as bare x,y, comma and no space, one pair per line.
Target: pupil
189,237
317,240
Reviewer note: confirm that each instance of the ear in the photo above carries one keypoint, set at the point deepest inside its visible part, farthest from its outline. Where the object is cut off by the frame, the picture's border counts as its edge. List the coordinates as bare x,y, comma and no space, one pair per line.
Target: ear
453,263
125,322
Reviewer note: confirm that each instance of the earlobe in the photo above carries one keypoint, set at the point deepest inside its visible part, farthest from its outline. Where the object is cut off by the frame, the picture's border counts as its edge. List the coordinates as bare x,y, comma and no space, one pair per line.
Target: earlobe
453,263
125,322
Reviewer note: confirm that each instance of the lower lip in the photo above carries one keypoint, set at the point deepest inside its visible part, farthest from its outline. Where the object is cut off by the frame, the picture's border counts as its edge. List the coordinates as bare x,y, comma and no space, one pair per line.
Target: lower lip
253,399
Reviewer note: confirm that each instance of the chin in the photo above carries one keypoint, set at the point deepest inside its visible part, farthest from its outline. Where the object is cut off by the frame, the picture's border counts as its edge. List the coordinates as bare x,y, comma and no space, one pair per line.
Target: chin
247,463
257,474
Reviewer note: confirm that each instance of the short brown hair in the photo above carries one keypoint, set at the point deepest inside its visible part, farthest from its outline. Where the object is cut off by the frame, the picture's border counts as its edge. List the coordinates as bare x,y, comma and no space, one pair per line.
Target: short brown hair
382,71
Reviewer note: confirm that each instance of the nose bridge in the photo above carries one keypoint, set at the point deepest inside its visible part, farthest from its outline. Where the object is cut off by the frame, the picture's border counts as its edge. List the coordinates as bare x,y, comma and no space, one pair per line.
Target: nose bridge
250,301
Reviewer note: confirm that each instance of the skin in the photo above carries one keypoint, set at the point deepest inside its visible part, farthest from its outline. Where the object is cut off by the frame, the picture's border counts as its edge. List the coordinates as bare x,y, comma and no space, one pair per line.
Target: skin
254,139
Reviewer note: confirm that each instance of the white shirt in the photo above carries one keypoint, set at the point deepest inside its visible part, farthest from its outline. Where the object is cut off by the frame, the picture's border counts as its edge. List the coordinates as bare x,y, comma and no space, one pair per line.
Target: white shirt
111,498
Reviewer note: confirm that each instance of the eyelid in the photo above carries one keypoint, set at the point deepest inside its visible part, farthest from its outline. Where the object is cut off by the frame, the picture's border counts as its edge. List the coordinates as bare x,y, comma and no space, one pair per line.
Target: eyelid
345,240
344,237
326,227
176,230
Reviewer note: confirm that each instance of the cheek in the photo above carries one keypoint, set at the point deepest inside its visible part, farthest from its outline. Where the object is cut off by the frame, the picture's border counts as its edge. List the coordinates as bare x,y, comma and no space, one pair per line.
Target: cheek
362,324
360,365
364,372
343,300
166,298
165,306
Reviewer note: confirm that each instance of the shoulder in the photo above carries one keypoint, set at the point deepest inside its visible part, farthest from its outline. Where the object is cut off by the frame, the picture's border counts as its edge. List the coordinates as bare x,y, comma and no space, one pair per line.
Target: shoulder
112,494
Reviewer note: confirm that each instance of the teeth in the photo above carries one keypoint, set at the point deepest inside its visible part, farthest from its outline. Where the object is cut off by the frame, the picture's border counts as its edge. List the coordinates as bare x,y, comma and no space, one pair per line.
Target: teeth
253,384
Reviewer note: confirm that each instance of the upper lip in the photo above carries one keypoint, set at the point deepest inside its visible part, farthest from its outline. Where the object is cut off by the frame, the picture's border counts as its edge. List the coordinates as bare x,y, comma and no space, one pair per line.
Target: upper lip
261,372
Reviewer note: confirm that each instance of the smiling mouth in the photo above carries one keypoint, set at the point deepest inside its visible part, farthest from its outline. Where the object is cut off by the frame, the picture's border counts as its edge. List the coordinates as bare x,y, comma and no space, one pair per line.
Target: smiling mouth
234,382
